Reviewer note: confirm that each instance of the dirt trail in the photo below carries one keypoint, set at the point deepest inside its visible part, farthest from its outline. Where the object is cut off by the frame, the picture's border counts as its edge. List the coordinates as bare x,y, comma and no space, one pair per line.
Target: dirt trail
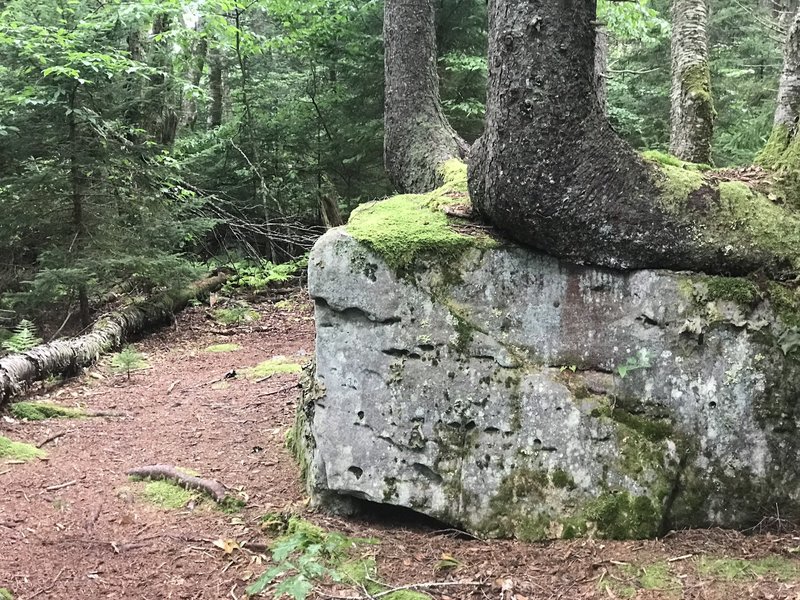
97,537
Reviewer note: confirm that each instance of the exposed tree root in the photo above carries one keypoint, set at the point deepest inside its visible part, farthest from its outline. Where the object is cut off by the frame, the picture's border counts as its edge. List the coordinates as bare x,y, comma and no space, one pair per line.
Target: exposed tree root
211,487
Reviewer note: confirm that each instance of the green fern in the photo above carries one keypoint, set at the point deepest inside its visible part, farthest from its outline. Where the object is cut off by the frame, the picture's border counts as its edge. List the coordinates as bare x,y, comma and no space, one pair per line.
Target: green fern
24,338
128,360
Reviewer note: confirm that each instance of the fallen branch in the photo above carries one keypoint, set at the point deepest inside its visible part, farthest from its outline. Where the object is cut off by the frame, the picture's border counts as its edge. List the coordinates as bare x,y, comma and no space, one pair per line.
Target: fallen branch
67,356
61,486
52,438
278,391
426,586
211,487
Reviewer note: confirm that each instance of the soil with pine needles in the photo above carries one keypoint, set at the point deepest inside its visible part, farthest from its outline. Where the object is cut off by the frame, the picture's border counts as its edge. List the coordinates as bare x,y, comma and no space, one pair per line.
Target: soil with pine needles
73,525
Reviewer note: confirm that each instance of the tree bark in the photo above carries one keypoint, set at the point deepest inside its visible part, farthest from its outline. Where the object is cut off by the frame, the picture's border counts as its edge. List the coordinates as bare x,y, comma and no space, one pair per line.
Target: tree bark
550,171
692,115
67,356
161,118
601,68
77,184
782,150
215,87
198,63
418,138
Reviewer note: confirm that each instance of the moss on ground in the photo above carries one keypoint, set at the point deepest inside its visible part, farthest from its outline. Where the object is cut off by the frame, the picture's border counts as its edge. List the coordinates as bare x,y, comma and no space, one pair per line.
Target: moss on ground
5,594
39,411
404,228
11,450
626,579
776,568
167,495
219,348
274,366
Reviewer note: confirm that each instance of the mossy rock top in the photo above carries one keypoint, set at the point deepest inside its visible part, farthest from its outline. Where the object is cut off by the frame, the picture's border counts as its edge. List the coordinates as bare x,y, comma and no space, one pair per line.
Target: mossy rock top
403,228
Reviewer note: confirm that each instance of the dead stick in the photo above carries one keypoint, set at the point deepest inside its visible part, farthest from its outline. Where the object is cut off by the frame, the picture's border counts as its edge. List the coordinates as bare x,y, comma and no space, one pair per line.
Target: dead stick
211,487
273,392
60,486
52,438
423,586
172,386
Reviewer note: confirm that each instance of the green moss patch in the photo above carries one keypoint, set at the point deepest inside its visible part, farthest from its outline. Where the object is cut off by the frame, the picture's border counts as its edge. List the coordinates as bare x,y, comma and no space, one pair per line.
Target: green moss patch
776,154
5,594
11,450
167,495
39,411
733,289
403,228
676,184
625,580
668,160
622,516
776,568
220,348
274,366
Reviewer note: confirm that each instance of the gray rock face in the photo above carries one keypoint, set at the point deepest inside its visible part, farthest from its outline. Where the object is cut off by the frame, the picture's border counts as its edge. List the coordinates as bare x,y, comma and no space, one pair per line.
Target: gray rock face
511,394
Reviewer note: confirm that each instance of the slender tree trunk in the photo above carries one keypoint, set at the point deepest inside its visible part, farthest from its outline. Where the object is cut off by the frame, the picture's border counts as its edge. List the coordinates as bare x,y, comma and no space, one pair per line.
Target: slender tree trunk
601,68
198,63
163,117
783,147
692,115
77,184
216,90
418,138
550,171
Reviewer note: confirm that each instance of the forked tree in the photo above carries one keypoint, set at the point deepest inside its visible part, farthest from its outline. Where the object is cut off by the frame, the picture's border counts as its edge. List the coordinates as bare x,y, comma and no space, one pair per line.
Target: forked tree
550,171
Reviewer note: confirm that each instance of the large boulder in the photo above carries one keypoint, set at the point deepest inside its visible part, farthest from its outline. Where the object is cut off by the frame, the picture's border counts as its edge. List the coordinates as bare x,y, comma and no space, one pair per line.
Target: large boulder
511,394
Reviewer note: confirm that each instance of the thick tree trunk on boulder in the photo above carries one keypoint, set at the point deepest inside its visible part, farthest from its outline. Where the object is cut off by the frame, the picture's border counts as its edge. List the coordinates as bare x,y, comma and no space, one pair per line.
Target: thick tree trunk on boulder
783,148
692,115
418,137
67,356
550,171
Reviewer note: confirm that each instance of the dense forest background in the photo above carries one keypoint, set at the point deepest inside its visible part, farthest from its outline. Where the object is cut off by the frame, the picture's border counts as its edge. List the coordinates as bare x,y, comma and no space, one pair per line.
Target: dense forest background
143,141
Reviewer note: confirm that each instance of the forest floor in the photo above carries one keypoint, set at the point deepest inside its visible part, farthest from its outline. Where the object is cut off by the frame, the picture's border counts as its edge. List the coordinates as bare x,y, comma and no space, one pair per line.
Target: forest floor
73,525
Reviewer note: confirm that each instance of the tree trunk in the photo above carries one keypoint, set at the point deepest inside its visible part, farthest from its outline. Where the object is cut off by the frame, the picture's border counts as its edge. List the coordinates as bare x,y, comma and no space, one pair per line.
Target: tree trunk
163,118
692,115
418,138
601,68
782,150
550,171
77,183
198,63
67,356
215,87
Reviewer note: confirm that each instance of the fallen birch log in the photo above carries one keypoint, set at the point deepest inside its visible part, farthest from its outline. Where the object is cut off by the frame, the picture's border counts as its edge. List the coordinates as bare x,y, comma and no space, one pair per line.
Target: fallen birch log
67,356
211,487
